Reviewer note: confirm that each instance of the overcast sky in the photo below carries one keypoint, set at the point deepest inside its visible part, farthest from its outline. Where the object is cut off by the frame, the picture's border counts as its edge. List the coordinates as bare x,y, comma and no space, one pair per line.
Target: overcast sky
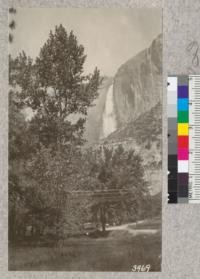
110,36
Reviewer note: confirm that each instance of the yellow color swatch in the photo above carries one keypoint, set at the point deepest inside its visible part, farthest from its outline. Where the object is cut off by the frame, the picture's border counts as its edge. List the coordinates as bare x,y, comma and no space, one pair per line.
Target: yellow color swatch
183,129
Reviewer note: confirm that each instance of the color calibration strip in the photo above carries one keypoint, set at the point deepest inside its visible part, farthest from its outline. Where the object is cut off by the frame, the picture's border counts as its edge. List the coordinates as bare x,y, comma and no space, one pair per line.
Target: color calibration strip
183,139
183,101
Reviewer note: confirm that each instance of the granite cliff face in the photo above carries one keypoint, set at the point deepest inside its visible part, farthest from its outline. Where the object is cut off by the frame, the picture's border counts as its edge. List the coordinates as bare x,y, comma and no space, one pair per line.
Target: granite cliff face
128,111
137,84
135,89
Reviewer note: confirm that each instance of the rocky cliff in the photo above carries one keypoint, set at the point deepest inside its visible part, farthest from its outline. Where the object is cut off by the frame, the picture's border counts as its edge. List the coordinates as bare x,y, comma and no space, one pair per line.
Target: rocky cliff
136,89
128,111
137,84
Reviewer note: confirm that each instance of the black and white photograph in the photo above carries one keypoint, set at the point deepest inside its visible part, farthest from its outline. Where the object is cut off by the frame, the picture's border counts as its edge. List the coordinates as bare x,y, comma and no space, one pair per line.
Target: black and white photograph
85,139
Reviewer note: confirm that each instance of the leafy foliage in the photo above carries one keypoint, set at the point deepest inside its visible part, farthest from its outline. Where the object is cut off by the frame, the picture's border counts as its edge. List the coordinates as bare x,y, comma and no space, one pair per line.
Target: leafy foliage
45,146
120,183
54,88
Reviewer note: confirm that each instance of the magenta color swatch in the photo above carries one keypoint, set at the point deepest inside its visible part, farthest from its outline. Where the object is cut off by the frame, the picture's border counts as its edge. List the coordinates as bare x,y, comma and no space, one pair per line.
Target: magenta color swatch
183,154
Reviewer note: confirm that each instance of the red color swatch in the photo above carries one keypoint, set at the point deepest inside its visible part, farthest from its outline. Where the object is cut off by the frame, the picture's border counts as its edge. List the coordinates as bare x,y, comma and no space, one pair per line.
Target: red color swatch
183,142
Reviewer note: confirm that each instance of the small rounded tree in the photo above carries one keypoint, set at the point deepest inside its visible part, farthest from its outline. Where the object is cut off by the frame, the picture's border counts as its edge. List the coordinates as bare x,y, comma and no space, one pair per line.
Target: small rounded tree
120,189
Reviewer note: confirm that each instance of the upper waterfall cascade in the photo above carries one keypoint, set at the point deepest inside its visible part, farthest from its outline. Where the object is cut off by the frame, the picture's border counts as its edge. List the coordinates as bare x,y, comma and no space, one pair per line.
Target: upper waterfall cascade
109,118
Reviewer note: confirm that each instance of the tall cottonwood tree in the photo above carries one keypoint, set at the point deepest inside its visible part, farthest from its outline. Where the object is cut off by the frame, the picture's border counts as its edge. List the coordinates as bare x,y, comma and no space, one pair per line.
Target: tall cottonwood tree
55,88
58,94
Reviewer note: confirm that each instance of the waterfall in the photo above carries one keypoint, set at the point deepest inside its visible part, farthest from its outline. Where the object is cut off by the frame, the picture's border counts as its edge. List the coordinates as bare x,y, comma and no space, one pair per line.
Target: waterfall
109,119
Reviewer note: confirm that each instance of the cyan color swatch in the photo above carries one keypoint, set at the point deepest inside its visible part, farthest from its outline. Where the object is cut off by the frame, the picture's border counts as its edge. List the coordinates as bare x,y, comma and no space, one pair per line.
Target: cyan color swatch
183,104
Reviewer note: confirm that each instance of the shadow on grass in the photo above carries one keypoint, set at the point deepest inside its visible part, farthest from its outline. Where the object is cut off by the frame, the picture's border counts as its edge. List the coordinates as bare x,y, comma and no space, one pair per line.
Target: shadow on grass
102,253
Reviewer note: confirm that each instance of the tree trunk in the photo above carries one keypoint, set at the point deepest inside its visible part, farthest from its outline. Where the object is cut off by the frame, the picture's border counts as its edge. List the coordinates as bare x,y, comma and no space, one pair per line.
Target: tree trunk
103,226
103,219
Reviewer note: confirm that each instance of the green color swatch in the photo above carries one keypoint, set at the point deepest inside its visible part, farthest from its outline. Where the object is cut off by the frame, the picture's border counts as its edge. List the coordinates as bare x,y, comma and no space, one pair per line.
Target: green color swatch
183,116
